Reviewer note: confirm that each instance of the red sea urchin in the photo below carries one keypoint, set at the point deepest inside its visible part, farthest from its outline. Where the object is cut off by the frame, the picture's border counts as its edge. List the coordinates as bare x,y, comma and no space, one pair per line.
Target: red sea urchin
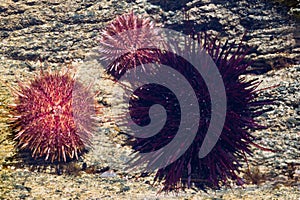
128,35
49,119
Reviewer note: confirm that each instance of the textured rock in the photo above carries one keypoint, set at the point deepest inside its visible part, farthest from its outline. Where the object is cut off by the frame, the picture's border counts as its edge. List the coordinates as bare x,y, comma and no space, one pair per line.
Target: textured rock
62,31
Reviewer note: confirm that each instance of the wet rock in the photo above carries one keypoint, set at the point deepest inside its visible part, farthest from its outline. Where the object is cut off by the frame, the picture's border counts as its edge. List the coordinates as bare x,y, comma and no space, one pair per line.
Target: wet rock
169,4
293,121
59,31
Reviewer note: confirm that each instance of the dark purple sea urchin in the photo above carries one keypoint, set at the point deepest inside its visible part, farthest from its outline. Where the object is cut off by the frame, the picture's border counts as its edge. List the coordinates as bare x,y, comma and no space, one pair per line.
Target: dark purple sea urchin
49,119
224,160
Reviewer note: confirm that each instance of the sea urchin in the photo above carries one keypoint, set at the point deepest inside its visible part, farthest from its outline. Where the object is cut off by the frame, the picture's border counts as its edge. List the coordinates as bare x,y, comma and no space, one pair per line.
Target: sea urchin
50,119
223,162
126,40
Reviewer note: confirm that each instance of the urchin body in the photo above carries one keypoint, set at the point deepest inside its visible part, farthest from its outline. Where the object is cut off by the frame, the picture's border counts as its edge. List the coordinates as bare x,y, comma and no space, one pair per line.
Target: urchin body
224,161
50,119
126,40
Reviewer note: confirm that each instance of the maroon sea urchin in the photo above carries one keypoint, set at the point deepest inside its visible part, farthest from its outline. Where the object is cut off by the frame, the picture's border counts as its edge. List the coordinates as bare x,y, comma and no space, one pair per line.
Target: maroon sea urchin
50,119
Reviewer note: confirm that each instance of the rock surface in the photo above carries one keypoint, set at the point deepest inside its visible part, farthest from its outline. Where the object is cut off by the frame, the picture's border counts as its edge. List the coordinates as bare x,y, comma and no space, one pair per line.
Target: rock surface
60,31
